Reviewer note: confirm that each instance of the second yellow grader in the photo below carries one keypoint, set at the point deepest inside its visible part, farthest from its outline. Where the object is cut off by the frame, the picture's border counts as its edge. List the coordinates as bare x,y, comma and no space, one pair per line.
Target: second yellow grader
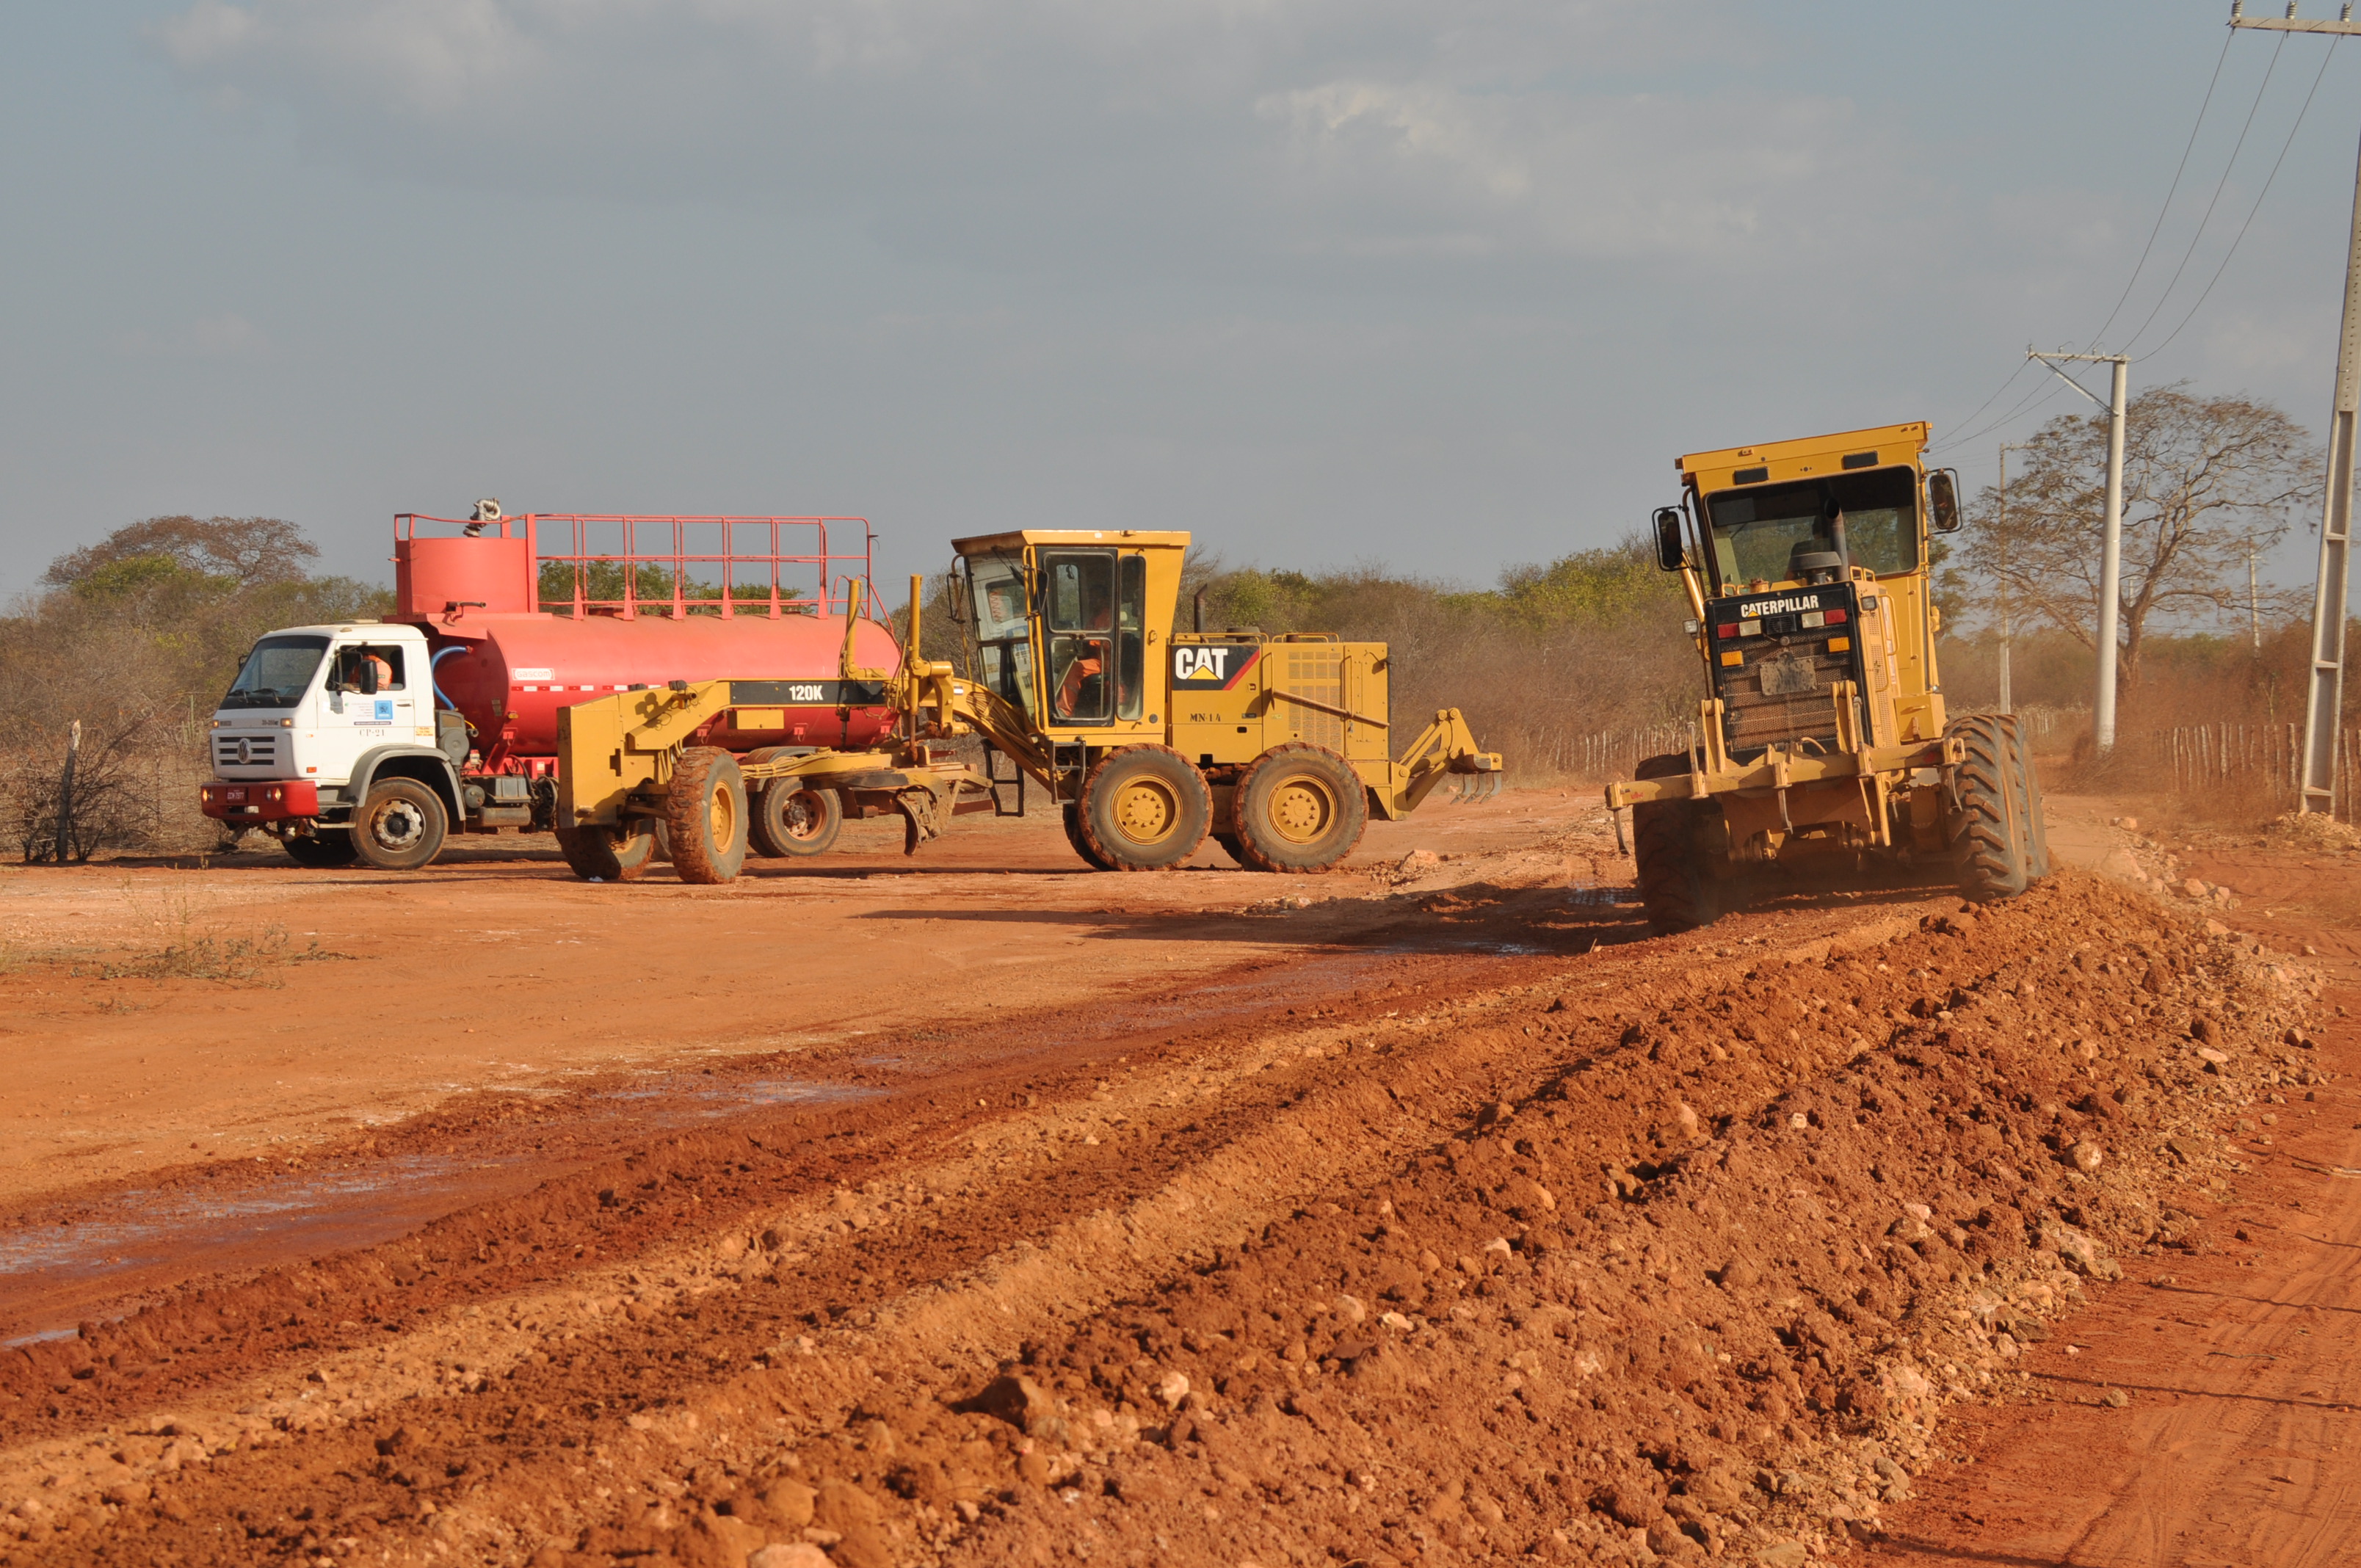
1148,740
1824,744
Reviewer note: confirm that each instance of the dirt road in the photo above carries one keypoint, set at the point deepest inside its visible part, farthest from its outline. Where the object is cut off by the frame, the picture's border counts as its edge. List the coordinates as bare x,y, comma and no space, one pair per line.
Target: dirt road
2237,1352
1143,1219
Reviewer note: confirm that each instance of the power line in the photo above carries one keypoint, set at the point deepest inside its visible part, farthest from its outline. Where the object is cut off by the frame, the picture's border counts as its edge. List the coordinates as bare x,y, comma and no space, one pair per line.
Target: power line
2170,191
2219,186
2050,390
2258,203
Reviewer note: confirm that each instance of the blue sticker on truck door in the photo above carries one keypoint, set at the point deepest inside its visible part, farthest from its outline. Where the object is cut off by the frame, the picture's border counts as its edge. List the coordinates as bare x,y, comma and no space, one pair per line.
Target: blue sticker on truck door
370,710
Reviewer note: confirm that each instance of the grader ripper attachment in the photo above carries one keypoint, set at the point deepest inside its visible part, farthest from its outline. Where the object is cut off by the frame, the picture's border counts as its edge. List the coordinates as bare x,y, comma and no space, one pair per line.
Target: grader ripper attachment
1148,740
1824,744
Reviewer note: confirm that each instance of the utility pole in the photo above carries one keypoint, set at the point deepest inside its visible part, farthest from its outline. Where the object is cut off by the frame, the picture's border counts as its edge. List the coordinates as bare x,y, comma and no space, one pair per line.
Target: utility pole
2111,548
2254,602
2325,694
2007,704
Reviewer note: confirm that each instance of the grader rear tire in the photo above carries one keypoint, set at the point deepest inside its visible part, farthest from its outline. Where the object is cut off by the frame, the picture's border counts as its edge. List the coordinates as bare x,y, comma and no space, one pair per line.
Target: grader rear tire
706,815
1988,831
600,854
1674,886
792,819
1144,809
2035,825
1297,807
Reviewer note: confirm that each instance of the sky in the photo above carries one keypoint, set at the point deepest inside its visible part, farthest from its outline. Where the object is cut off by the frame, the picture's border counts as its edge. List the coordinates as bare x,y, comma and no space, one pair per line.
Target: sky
1444,287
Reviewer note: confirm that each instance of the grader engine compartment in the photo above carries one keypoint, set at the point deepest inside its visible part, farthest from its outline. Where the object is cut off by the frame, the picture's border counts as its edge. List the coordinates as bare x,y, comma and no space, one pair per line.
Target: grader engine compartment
1777,662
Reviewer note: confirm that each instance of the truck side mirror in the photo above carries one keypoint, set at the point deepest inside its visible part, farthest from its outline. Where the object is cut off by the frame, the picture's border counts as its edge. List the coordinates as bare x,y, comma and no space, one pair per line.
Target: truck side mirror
368,677
1943,500
1670,553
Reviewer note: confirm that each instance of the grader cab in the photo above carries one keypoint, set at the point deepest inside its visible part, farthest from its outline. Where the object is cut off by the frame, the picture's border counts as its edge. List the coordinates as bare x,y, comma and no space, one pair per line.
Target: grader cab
1148,740
1824,745
1151,740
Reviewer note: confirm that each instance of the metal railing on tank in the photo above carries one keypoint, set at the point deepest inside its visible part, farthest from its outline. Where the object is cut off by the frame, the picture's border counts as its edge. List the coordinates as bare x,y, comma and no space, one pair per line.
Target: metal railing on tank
678,566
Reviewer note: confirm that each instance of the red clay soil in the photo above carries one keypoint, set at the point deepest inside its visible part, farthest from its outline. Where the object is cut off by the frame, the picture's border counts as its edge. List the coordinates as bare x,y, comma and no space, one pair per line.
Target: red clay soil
2209,1410
1504,1232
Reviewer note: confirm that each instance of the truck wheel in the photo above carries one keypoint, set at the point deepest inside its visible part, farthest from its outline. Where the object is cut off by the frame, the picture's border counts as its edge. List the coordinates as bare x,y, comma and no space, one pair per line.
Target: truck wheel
794,820
706,815
400,825
2028,795
325,849
602,854
1082,846
1297,807
1144,809
1674,886
1987,829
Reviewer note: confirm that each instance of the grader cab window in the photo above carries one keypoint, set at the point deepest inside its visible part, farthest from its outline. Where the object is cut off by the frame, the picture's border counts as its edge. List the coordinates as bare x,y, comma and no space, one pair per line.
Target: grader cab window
1758,532
1078,590
1004,631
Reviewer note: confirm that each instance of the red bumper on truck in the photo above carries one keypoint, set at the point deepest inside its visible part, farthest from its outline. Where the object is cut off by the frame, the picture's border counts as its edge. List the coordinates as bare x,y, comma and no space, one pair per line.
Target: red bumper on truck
268,800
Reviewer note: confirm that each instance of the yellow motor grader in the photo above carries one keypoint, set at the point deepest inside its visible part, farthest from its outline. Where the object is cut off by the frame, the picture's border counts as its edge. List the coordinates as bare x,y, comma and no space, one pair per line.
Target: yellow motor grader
1147,740
1824,747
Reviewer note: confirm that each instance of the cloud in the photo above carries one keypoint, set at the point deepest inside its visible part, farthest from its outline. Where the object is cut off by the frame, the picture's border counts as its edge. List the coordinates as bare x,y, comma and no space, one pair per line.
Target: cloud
1156,133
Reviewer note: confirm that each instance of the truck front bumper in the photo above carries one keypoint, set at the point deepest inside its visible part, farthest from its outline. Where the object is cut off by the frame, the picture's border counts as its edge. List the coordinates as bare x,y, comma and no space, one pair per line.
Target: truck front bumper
259,800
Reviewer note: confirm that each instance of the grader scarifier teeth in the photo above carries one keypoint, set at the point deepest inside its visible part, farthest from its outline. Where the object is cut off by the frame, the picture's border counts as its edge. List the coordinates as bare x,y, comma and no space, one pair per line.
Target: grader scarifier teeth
1468,788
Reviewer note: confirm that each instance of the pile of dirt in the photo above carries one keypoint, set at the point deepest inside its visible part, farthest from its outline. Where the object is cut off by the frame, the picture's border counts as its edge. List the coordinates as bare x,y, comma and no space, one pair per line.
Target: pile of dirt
1661,1267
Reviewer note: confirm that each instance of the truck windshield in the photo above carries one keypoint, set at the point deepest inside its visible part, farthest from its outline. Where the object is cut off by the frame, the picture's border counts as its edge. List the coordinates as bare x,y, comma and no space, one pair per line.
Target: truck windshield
1757,532
1002,630
277,674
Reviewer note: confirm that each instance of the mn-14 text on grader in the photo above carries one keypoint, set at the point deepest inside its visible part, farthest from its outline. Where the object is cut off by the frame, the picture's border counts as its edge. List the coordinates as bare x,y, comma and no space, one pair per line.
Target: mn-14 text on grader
1147,740
1824,747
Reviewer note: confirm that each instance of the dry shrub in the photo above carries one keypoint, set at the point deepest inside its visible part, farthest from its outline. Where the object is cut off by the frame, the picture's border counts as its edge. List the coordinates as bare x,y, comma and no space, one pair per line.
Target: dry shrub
136,639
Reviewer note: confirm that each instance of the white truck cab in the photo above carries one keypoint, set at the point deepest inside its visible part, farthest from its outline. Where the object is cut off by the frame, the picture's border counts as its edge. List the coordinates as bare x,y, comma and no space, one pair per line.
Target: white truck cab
331,740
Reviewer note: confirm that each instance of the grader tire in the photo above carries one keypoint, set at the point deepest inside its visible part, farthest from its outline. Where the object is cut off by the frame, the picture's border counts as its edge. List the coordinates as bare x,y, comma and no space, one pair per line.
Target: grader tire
1297,807
600,854
1673,887
793,820
706,815
2028,795
1082,846
322,851
1144,809
1987,831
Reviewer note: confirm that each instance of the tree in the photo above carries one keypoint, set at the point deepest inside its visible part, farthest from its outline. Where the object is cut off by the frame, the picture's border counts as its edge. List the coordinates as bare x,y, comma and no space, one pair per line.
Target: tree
2204,479
246,550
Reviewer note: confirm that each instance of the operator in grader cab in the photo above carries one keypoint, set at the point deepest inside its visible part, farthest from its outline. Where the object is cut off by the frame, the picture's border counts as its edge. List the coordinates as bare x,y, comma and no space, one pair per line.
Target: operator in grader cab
1824,745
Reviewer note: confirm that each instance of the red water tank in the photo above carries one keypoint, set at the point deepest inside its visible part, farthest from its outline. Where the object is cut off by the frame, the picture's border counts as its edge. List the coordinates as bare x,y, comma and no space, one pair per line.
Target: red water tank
509,666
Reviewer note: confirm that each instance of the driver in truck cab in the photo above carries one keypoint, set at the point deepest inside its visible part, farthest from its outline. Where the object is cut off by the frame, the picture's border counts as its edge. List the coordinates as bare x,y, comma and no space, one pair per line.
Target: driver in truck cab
351,664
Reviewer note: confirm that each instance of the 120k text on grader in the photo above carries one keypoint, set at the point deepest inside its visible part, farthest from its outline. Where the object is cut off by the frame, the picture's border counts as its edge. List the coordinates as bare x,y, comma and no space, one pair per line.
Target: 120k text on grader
1824,744
1148,740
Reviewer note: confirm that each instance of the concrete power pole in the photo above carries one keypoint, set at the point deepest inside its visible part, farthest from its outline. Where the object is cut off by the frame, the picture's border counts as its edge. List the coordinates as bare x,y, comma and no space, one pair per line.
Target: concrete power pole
2324,696
2111,548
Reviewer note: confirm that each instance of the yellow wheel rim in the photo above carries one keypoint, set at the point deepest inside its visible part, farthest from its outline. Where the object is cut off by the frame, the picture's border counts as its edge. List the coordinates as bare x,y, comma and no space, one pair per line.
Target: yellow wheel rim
1147,810
722,816
1302,808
